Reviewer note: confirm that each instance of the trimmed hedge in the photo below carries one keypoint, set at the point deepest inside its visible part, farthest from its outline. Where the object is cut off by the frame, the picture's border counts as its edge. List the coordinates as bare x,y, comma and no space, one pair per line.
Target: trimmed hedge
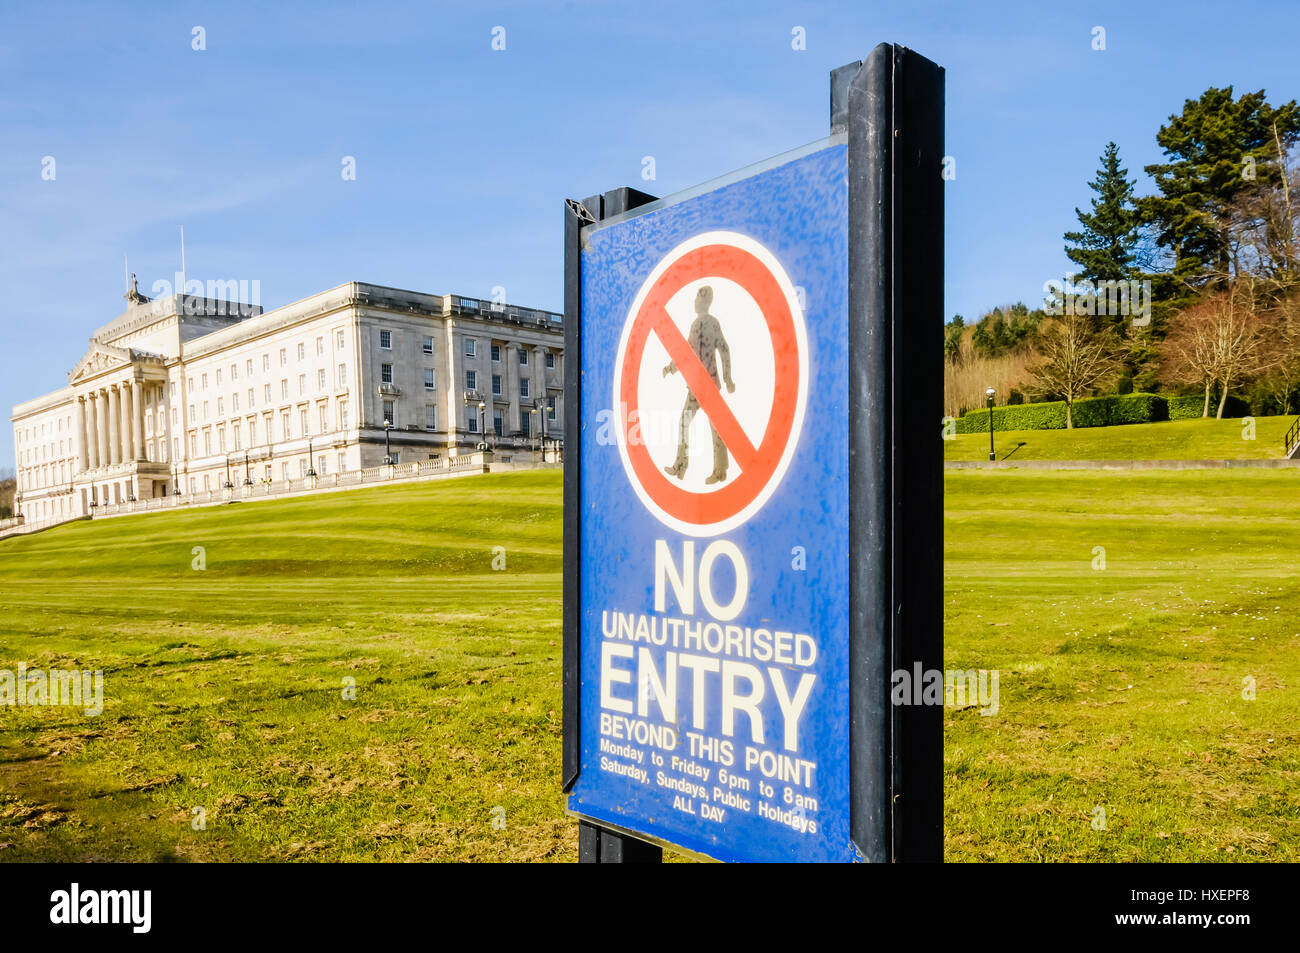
1050,415
1096,412
1190,406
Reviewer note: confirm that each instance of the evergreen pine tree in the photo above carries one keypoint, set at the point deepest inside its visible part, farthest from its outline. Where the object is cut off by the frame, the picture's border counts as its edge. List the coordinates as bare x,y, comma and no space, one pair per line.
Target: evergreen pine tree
1104,249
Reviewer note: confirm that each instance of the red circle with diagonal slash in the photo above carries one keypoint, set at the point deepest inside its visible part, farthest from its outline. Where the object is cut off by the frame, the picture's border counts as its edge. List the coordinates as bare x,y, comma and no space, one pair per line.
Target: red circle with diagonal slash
759,464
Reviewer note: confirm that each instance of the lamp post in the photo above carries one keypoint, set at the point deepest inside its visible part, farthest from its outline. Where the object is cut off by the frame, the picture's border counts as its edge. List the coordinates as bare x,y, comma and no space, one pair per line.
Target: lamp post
482,425
532,430
228,485
544,409
248,479
990,392
311,458
388,453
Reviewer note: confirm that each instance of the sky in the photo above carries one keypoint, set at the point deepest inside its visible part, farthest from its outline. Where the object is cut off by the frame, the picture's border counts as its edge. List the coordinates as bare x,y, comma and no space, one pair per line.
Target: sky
463,153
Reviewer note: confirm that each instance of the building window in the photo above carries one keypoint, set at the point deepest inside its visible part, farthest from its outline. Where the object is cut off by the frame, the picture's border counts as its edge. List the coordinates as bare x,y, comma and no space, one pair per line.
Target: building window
324,410
302,419
471,347
221,407
428,344
190,381
430,417
523,421
205,381
252,431
320,346
496,353
471,380
343,463
499,422
234,402
550,408
248,367
338,343
496,385
284,356
205,410
284,425
284,388
523,357
221,440
386,373
428,379
523,387
237,433
343,416
390,414
302,351
302,384
471,419
207,442
343,375
550,359
386,340
320,379
266,393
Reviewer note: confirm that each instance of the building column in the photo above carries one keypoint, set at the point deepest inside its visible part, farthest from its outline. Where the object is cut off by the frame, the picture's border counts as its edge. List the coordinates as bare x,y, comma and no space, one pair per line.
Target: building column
512,389
165,412
92,431
79,432
114,426
124,427
101,425
455,388
137,420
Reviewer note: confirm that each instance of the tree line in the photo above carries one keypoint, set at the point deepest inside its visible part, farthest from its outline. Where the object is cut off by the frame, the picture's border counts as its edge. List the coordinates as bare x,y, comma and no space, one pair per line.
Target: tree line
1195,287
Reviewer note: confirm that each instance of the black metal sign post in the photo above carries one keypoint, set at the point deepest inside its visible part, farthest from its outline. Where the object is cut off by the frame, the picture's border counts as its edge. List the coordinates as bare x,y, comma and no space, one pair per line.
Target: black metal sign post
596,844
890,107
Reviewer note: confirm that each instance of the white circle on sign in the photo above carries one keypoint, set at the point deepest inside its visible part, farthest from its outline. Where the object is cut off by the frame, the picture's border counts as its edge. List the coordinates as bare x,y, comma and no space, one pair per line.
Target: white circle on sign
661,398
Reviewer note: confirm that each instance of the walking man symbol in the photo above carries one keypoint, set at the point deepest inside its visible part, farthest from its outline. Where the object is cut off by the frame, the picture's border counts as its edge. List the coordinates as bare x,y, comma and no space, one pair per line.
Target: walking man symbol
708,343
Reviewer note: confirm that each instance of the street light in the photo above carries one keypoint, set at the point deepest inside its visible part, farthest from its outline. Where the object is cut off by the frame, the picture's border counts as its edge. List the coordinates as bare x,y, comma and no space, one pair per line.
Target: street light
482,424
248,479
990,392
388,453
311,458
228,485
532,412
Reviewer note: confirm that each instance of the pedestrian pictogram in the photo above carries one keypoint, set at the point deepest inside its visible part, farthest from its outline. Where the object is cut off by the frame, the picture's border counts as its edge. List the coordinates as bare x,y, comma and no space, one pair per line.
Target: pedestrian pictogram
710,383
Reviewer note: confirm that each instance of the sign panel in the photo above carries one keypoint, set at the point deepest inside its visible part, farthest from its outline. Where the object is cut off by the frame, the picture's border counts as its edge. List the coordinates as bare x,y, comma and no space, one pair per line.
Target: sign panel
714,619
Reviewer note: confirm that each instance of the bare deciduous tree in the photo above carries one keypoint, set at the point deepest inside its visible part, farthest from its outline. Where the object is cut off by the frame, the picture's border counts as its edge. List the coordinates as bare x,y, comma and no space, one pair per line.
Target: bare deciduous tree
1223,341
1076,359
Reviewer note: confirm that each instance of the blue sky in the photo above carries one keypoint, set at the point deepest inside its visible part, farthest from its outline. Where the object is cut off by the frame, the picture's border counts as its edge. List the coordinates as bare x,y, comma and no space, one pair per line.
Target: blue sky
463,154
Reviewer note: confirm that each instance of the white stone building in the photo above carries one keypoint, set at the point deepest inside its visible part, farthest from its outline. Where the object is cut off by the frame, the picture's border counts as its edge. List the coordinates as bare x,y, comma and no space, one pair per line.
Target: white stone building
192,393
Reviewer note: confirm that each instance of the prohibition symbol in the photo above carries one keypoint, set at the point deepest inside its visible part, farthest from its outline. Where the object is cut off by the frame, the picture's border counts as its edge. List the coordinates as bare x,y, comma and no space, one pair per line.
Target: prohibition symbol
710,382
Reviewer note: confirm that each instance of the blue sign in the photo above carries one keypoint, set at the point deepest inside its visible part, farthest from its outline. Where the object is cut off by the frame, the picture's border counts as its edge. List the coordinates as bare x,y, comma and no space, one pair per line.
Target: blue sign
714,524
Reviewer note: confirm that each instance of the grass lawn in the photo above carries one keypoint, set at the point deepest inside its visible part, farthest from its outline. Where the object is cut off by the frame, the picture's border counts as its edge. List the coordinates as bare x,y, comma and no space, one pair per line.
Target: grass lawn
1168,440
224,686
1120,688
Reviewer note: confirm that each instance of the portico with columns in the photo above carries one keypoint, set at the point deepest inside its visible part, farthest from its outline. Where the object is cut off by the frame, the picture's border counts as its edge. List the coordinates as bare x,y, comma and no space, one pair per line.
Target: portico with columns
119,398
